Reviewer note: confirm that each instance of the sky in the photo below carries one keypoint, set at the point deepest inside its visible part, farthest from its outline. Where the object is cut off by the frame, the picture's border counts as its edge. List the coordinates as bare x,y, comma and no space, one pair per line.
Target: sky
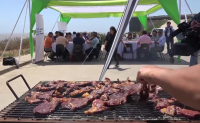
10,9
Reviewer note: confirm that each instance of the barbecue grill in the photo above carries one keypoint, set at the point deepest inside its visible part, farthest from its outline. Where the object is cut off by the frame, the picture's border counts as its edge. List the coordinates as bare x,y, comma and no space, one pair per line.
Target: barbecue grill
132,111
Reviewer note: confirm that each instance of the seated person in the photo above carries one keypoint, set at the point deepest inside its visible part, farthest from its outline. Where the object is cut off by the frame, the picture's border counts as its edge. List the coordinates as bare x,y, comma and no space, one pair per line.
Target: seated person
61,40
93,43
144,39
74,34
158,45
48,42
155,36
78,39
129,37
86,36
69,37
82,36
148,33
56,35
135,36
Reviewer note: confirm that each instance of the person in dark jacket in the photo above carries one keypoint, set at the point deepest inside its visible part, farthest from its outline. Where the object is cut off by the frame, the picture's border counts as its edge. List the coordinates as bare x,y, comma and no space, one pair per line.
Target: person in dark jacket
169,40
108,44
78,39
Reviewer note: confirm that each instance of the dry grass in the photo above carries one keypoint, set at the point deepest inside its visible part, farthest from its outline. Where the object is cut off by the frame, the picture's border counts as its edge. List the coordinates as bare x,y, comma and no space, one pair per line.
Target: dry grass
13,47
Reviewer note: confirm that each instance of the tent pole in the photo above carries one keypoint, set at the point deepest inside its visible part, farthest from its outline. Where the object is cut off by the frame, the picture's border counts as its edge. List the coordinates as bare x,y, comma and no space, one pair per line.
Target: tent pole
127,14
29,4
180,9
20,48
55,23
186,19
189,7
13,31
89,53
152,22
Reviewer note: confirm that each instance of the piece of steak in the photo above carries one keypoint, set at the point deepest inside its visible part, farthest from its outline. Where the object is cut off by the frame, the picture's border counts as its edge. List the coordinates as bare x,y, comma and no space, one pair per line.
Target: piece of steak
46,107
188,113
81,91
105,97
169,110
43,109
37,97
144,93
117,99
97,106
74,103
162,103
95,94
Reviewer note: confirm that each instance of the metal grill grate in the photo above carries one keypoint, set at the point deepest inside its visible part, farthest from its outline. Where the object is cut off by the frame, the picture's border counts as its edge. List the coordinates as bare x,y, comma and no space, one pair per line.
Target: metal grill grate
131,111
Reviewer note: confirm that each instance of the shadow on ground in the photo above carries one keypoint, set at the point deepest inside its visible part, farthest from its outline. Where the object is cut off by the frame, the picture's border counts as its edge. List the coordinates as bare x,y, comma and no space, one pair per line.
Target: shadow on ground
122,62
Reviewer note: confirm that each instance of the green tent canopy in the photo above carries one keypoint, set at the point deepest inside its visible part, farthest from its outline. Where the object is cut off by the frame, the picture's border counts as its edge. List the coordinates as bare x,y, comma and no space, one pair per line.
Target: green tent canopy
101,9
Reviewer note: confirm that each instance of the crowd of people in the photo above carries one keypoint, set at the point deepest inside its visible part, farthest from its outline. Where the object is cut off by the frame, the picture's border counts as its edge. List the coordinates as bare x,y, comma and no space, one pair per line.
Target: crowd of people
76,38
159,37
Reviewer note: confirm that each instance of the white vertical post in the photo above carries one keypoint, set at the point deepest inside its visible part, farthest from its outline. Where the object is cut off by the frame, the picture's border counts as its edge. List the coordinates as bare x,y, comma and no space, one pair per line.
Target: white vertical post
189,7
180,9
13,31
185,13
20,48
55,23
152,22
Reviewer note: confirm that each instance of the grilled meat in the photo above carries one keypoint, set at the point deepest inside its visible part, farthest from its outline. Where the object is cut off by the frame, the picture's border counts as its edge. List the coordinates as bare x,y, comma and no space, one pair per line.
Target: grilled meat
85,95
158,89
186,112
132,88
44,88
162,103
109,90
144,93
46,107
169,110
60,90
37,97
79,84
32,100
81,91
105,97
152,88
152,96
97,106
74,103
117,99
95,94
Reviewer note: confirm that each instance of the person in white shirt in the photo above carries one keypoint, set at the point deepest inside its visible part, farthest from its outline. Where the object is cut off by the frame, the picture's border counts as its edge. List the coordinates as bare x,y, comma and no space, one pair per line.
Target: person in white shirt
154,36
74,35
135,36
129,37
169,40
158,45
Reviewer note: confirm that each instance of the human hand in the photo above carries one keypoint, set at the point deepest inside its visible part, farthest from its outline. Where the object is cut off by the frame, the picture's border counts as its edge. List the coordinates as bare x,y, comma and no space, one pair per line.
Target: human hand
145,74
194,22
156,42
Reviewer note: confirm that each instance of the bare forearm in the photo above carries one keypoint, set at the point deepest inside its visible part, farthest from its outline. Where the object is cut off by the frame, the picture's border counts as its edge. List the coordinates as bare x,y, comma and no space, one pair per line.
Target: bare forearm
183,84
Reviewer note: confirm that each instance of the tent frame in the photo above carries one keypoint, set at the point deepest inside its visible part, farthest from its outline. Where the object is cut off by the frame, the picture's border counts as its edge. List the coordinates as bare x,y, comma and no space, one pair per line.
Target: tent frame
27,2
